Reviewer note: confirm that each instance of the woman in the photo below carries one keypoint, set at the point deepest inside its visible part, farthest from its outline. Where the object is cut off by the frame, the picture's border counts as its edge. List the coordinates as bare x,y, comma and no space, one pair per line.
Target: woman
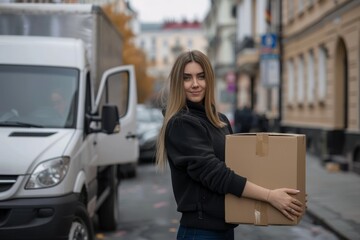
192,141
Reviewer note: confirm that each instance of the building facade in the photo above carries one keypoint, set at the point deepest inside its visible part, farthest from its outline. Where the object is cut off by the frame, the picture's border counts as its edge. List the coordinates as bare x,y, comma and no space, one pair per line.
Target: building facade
321,88
316,86
220,30
163,42
254,29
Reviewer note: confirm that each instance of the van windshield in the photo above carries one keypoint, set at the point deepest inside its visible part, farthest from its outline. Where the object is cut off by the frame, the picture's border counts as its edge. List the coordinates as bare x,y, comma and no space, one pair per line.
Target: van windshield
34,96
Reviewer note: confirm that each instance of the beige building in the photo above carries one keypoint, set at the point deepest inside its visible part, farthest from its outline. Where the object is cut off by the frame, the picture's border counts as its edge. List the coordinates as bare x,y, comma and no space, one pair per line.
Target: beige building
320,90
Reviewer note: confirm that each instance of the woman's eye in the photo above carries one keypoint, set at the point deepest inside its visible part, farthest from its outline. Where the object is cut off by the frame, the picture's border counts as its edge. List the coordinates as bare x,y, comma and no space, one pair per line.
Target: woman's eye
186,78
202,77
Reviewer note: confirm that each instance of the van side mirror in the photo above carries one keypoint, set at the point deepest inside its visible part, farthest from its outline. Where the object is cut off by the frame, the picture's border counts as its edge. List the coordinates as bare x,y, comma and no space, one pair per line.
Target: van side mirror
110,119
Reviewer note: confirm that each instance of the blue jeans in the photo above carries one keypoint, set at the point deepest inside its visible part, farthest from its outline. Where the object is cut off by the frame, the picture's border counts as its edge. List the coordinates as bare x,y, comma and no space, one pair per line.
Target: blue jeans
186,233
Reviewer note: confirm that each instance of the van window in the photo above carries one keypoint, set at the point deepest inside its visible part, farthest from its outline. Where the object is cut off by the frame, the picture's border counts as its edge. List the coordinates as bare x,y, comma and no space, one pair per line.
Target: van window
41,96
117,92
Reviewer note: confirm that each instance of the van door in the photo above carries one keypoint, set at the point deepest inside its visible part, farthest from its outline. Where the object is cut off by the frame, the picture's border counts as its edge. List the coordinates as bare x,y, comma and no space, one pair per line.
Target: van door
118,87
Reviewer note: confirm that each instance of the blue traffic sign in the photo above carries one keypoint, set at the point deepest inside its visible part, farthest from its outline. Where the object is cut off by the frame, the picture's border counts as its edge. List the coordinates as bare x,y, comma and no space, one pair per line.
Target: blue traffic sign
269,40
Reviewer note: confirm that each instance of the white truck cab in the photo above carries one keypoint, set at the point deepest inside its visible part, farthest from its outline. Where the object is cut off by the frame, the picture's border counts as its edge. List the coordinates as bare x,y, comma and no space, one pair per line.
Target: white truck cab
67,122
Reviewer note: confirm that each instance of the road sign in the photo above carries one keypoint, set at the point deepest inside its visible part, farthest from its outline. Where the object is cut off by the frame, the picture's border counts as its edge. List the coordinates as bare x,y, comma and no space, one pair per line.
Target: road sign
269,61
269,40
270,70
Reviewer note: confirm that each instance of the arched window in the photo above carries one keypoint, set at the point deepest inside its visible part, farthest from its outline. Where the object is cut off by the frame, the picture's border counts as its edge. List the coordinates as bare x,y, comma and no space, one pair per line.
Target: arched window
291,81
300,80
310,78
322,76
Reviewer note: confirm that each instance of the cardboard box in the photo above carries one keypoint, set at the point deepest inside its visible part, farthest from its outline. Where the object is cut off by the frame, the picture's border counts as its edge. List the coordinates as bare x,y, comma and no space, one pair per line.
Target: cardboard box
271,160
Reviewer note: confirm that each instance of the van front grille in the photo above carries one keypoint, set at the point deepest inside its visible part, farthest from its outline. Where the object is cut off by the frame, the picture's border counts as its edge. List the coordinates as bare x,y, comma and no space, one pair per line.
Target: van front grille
6,182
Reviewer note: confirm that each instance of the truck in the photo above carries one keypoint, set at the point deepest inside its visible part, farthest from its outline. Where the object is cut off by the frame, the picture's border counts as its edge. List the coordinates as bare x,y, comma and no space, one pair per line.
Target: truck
67,121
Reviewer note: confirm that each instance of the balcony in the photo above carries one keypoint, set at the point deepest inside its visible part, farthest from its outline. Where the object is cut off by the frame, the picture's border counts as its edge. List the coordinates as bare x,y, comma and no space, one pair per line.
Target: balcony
247,55
246,43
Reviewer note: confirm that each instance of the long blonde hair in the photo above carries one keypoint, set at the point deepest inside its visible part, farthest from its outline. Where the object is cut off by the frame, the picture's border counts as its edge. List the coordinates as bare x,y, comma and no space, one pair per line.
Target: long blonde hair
176,98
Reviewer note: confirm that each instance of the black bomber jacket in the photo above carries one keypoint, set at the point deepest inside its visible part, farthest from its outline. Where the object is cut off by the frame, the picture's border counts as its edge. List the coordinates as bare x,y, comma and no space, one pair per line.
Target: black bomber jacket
200,178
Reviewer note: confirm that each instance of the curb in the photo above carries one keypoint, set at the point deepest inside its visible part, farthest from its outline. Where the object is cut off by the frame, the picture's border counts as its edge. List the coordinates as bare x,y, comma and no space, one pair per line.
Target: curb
327,219
320,221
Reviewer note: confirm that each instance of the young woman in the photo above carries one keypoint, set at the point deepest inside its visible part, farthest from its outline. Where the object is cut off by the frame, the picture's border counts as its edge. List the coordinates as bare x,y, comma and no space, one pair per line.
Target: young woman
192,142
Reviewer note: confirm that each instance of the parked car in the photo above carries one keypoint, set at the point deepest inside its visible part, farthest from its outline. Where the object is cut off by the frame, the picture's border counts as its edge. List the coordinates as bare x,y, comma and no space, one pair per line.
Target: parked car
149,122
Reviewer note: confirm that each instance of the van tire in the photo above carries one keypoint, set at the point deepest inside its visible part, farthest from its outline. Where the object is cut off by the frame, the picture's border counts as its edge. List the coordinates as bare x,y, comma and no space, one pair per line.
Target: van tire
132,172
108,213
81,226
127,171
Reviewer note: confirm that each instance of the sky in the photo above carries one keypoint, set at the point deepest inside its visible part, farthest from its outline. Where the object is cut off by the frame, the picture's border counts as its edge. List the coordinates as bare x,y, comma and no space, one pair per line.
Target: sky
160,10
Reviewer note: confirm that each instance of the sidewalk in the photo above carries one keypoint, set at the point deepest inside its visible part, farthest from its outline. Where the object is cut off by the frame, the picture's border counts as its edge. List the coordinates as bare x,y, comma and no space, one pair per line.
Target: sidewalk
334,198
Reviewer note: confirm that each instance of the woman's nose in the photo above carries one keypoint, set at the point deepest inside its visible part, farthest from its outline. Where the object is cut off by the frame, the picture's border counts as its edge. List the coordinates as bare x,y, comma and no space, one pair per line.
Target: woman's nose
195,83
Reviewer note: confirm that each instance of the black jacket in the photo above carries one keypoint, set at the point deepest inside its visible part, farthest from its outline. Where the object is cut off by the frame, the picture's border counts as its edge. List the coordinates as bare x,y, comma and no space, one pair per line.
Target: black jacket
200,178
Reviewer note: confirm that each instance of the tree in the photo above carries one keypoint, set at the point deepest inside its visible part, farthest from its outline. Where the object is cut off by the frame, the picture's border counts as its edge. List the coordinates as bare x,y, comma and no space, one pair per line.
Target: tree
131,54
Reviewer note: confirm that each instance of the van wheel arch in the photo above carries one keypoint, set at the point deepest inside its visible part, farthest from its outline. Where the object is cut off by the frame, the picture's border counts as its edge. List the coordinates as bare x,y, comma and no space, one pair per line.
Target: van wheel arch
81,225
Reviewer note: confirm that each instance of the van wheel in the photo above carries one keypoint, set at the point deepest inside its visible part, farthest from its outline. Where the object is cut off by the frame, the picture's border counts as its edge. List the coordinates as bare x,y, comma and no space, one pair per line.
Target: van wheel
108,213
81,227
132,172
126,171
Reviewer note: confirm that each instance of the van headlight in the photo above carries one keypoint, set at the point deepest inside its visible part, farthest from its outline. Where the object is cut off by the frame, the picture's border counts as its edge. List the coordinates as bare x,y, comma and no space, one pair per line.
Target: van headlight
48,173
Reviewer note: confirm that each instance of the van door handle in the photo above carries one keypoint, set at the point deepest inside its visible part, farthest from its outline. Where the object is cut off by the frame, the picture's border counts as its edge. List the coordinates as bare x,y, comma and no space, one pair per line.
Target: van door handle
130,135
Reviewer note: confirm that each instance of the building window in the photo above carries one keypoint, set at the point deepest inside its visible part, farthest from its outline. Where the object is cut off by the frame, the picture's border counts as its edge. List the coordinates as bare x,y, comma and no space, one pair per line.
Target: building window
260,19
275,15
300,6
177,41
310,3
290,10
142,44
190,44
322,76
291,81
310,78
300,80
153,59
153,41
165,60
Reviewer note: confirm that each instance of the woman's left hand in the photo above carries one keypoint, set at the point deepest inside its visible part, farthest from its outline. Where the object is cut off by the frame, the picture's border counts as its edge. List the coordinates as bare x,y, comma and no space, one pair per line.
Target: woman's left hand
282,200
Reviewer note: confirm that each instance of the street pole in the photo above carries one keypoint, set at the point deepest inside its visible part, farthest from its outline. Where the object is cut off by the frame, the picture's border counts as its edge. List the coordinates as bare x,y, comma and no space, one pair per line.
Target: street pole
280,67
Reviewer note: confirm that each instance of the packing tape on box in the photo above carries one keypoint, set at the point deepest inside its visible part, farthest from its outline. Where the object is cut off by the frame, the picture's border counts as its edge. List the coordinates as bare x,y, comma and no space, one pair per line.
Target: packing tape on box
262,144
260,212
262,149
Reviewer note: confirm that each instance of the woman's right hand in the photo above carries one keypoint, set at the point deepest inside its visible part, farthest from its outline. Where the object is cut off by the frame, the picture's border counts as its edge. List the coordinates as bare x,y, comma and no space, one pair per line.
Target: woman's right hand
282,200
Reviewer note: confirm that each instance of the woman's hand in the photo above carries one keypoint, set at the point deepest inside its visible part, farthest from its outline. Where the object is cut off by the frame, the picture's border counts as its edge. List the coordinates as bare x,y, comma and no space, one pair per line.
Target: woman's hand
282,200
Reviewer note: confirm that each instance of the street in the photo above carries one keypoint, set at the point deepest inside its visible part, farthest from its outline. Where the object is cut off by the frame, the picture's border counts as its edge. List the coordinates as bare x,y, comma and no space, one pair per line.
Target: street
148,211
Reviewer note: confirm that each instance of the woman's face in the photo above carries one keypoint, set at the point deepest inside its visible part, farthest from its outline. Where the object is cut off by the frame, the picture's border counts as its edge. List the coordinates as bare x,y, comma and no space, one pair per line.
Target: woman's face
194,82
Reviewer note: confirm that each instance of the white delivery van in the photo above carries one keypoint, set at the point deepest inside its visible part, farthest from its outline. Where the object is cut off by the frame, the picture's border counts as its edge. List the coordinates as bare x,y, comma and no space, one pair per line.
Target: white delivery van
67,120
